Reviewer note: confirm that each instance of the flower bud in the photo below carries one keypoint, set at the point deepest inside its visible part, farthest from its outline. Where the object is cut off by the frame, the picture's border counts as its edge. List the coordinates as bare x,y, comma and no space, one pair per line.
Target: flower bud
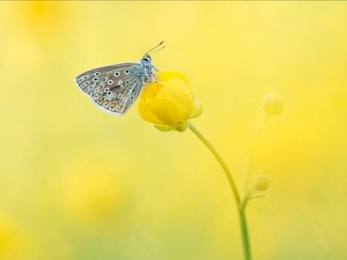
273,104
260,183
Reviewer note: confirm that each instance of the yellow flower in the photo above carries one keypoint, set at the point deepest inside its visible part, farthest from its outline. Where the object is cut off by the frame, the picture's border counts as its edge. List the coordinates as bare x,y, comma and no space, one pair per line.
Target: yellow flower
169,102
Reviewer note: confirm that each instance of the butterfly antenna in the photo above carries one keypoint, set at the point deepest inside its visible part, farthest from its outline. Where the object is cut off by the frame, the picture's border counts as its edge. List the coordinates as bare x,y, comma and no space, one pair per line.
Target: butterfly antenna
159,47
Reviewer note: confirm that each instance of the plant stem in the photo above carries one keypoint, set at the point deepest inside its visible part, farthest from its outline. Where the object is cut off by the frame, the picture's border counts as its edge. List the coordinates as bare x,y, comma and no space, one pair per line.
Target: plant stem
219,159
250,163
245,236
240,210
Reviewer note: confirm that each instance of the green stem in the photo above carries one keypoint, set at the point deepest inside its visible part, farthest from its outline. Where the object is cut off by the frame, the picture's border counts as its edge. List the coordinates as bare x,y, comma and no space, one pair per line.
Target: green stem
250,162
240,210
245,236
219,159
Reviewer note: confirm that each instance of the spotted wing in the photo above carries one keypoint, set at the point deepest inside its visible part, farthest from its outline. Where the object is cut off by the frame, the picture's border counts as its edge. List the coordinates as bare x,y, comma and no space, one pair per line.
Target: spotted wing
113,88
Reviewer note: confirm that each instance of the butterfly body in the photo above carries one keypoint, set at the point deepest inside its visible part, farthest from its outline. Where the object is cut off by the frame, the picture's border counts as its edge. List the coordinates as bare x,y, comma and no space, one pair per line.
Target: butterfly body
114,88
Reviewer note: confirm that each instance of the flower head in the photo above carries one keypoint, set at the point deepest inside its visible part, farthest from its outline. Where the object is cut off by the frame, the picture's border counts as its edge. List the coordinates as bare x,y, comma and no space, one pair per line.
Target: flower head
169,102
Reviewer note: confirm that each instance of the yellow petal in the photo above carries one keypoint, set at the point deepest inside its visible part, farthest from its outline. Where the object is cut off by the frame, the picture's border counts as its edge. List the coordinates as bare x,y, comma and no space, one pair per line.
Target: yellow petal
167,75
147,114
176,102
150,91
163,112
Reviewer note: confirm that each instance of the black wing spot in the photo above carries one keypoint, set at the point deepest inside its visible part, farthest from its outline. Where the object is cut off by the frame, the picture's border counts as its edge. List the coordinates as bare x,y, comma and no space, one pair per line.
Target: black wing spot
112,88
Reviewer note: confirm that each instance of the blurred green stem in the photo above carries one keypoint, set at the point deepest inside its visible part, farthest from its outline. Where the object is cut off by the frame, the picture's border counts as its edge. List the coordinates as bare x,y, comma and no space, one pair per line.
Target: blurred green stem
250,162
240,209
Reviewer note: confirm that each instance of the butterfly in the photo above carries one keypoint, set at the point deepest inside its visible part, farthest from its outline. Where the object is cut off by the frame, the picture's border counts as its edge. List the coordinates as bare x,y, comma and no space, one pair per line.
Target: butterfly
114,88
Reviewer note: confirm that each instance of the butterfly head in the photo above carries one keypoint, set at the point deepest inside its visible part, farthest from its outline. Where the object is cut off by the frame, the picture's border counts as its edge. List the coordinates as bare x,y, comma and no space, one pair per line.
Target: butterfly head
146,58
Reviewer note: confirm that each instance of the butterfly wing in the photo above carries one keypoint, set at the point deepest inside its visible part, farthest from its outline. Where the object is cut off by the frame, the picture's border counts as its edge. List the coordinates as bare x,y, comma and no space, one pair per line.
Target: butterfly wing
113,88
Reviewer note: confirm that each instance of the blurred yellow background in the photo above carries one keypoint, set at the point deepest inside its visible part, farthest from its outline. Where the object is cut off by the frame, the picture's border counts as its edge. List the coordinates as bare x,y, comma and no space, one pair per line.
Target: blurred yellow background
77,183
